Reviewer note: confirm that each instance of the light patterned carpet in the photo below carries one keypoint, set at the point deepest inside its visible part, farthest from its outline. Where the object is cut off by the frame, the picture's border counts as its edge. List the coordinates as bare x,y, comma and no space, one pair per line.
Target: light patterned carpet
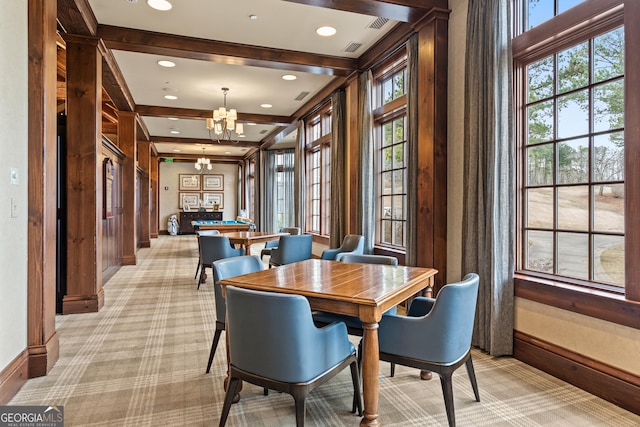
140,361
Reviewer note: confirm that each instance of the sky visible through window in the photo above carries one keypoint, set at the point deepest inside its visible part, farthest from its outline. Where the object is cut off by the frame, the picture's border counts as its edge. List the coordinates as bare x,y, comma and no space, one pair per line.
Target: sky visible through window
539,11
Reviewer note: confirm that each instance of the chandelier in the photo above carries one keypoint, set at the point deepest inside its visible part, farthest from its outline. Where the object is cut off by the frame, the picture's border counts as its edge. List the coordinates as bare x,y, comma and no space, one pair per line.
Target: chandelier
203,163
222,126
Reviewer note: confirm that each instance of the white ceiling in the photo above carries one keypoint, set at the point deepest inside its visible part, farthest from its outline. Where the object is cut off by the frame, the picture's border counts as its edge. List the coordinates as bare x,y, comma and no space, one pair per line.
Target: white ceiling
198,83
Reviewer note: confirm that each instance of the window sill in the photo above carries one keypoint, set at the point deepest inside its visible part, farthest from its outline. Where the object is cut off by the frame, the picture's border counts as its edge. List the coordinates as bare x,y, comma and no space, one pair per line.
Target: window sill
599,304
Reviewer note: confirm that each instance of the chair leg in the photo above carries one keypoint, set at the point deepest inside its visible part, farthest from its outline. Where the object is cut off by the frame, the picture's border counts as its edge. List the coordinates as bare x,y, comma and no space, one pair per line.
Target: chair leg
202,277
357,396
393,369
197,269
447,391
265,391
214,345
354,405
472,377
301,407
228,399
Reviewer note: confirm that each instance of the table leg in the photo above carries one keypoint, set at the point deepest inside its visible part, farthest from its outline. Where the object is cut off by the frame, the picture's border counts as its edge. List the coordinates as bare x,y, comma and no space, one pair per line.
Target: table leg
370,370
427,292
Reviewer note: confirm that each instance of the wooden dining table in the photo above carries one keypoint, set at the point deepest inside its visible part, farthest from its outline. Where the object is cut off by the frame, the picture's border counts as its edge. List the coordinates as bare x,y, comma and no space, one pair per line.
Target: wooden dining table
247,238
362,290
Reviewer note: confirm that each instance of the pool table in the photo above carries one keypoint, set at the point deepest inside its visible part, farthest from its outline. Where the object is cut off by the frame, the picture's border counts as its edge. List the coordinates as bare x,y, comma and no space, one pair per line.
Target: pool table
222,226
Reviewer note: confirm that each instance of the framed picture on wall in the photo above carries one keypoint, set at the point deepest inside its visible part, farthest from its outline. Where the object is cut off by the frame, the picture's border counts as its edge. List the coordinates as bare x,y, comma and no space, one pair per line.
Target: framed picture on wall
209,200
212,182
189,201
189,182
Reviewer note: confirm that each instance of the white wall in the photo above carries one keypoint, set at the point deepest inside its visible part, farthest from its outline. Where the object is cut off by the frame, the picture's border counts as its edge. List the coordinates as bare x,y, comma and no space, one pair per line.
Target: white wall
169,178
604,341
13,154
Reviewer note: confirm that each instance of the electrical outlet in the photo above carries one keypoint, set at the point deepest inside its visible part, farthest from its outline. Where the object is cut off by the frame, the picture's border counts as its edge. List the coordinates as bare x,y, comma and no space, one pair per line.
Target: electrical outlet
14,208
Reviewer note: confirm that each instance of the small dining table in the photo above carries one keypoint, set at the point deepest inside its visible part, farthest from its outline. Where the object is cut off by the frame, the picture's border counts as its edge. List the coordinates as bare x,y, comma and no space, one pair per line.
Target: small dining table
247,238
362,290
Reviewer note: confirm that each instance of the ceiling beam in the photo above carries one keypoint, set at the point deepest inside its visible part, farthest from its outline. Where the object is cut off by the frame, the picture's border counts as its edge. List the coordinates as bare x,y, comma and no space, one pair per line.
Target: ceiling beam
192,113
174,140
76,17
399,10
141,41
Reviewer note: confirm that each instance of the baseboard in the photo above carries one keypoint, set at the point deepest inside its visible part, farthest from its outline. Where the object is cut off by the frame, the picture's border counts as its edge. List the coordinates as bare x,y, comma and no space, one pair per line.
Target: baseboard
75,304
163,232
43,357
13,377
607,382
145,244
128,260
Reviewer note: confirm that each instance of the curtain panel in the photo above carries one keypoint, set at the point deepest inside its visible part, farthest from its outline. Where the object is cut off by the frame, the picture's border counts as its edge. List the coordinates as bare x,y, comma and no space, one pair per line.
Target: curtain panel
488,201
366,185
288,176
269,183
338,146
300,184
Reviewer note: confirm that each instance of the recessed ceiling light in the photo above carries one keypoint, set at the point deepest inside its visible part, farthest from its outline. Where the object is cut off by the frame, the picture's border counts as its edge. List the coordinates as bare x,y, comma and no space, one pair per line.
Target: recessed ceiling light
253,17
167,64
172,118
162,5
175,150
266,105
326,31
250,124
175,132
170,97
289,77
227,152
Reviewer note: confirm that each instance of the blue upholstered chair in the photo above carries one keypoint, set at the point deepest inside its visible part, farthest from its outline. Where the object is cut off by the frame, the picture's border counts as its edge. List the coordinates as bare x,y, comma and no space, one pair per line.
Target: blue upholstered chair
435,336
293,231
213,248
291,249
367,259
273,343
352,243
198,234
222,269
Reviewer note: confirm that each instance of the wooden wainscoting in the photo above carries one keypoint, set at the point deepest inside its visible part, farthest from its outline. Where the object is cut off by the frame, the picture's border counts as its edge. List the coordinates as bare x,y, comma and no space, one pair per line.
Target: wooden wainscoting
612,384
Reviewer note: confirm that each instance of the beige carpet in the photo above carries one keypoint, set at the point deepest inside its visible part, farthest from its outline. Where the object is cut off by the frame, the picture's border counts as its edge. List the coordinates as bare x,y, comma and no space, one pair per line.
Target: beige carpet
140,361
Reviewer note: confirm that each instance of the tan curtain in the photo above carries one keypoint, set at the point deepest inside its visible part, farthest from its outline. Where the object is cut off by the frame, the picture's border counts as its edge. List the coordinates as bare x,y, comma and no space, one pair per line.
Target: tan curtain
338,147
488,201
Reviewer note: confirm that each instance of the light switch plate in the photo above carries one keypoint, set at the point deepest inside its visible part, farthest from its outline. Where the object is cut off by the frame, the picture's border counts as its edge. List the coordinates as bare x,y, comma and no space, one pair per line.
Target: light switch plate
13,176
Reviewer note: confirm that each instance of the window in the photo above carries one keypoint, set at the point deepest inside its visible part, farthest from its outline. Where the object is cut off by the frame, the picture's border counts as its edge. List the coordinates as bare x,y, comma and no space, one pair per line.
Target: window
318,160
571,111
391,164
251,188
573,201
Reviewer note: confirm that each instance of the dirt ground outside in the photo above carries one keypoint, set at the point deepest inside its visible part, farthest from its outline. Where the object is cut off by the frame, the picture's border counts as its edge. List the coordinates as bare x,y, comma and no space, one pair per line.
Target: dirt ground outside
573,248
